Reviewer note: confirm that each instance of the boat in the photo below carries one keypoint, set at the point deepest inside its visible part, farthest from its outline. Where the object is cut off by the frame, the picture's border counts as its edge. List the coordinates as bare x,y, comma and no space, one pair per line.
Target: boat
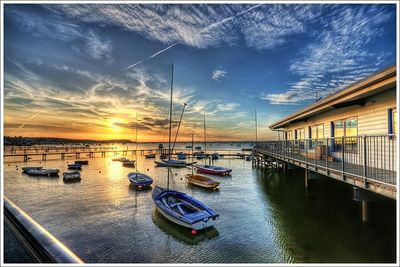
71,176
128,163
138,179
26,169
248,158
197,147
82,162
211,169
150,156
172,163
44,172
183,209
202,181
200,156
160,146
118,159
214,156
75,166
189,146
181,156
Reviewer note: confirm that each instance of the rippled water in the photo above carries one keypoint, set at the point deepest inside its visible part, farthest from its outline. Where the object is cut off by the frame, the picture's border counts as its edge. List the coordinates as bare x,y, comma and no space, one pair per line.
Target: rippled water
264,217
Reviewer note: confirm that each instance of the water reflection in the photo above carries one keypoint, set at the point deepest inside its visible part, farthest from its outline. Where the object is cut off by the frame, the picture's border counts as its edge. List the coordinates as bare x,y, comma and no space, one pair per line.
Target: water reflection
180,233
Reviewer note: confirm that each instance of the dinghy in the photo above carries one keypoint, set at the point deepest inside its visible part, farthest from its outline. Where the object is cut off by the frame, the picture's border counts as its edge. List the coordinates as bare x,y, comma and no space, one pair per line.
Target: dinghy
197,147
75,166
118,159
82,162
71,176
211,169
166,163
128,163
138,179
214,156
183,209
248,158
150,156
202,181
44,172
26,169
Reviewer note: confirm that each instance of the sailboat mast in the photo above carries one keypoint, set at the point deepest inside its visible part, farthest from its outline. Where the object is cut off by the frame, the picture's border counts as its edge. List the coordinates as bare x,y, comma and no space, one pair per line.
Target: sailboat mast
205,135
192,154
255,118
170,124
136,163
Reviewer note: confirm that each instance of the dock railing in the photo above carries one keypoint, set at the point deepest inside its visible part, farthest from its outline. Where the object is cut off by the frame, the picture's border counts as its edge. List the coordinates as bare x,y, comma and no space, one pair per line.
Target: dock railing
369,156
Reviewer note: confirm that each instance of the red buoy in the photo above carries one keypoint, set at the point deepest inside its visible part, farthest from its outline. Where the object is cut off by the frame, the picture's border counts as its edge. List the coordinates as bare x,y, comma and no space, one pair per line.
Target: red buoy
194,232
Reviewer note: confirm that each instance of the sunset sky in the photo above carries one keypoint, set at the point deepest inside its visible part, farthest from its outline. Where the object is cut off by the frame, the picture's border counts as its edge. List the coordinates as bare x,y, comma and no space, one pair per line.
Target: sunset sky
85,71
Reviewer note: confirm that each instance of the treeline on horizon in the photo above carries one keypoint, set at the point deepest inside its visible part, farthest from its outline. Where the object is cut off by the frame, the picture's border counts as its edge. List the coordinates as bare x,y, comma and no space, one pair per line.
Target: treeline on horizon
21,140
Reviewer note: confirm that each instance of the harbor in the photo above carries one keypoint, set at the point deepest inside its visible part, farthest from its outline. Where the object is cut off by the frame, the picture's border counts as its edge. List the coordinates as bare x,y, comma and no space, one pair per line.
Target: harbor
200,133
258,209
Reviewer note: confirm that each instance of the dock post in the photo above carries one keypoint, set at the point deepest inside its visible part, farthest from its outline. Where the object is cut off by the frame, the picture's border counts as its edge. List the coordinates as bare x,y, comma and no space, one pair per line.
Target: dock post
365,211
25,157
306,176
43,156
62,156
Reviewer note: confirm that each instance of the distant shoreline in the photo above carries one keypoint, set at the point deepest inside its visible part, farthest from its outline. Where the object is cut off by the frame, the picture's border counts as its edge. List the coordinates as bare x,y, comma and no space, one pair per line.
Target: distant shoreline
29,141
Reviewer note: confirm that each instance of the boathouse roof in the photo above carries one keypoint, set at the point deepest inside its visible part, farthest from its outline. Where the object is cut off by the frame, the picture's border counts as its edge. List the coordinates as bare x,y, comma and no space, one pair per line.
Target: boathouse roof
354,94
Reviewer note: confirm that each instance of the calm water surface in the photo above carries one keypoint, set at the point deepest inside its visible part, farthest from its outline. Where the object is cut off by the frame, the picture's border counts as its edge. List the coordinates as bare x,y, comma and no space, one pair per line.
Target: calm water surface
264,217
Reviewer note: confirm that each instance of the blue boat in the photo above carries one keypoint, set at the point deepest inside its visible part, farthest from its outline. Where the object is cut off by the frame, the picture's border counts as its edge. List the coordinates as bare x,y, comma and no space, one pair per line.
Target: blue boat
75,166
181,156
138,179
214,156
183,209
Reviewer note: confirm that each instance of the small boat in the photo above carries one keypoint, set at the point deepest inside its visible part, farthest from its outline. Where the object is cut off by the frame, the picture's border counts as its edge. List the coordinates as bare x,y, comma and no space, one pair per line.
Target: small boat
82,162
211,169
118,159
128,163
214,156
191,163
197,147
188,146
201,156
183,209
75,166
150,156
26,169
70,176
202,181
44,172
160,146
181,156
172,163
248,158
138,179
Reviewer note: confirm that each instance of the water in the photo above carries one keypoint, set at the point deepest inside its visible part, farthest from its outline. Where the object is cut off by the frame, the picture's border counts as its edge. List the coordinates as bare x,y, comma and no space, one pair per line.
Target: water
264,217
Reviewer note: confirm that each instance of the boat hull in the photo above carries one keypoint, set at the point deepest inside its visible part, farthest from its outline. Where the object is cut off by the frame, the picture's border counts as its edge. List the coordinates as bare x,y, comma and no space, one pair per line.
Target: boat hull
44,172
213,170
202,181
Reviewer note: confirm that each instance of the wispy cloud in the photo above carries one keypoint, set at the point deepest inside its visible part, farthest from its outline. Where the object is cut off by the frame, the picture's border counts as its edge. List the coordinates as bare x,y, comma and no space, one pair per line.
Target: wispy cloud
338,56
218,74
97,47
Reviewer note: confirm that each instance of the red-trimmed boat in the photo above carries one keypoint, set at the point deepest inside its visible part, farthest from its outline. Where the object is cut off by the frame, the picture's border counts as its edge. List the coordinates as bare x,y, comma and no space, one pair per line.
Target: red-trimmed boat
212,169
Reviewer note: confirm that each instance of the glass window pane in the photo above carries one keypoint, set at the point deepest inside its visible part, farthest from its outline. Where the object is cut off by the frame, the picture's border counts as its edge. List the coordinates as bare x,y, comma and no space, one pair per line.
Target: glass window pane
351,127
338,128
320,131
394,118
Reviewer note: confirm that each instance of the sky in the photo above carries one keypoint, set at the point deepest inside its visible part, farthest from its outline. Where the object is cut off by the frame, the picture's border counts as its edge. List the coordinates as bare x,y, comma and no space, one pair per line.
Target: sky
101,71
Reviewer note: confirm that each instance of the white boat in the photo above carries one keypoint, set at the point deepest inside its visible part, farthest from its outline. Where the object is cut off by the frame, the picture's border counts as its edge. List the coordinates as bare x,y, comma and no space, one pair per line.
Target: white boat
44,172
118,159
166,163
70,176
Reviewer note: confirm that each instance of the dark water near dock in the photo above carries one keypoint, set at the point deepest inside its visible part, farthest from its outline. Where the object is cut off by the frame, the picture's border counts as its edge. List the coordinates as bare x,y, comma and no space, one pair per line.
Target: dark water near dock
264,217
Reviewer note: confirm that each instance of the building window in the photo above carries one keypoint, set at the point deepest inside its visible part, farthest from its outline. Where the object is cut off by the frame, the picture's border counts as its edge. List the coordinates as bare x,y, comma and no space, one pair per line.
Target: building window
315,132
392,121
289,135
300,136
347,128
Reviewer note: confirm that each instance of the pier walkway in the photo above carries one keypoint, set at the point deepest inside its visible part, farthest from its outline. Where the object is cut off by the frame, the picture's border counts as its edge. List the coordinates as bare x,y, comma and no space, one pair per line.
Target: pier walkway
365,162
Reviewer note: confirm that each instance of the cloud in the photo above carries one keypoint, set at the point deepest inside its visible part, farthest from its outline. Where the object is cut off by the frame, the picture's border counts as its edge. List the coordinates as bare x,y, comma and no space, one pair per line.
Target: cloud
97,47
218,74
338,56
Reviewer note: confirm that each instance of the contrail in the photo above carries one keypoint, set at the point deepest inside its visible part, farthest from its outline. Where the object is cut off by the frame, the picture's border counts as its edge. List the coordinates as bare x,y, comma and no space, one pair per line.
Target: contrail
26,121
206,29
